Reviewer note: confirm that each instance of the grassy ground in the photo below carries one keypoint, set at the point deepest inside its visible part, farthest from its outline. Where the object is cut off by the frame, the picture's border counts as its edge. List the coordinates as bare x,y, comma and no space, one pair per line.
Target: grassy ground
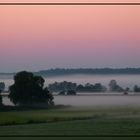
77,127
71,121
66,114
69,138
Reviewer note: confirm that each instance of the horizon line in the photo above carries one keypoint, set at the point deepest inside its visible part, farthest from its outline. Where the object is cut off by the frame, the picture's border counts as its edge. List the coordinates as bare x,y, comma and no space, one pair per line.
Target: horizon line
70,69
70,3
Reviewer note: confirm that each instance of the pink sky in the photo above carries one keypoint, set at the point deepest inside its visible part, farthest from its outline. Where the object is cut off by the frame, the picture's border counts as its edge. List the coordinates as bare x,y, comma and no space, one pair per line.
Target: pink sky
69,0
42,37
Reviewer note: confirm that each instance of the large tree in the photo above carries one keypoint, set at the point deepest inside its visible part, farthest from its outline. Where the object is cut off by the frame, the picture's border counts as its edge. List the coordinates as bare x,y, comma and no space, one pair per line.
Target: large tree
28,89
0,98
2,86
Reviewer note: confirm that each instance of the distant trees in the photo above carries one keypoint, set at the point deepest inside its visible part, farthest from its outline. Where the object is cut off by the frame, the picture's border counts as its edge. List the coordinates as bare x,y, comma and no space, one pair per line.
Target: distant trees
114,87
98,87
136,88
71,92
68,92
65,86
59,71
62,86
28,89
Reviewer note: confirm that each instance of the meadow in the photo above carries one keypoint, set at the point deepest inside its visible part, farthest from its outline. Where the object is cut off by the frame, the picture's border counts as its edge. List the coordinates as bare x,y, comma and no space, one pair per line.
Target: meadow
65,122
76,117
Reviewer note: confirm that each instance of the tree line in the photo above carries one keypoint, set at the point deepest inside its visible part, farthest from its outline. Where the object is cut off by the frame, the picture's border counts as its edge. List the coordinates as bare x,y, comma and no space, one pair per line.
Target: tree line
62,71
88,87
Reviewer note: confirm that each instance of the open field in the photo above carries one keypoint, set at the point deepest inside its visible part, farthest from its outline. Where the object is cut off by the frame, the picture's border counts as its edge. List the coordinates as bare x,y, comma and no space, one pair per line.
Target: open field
67,113
90,127
96,115
69,121
69,138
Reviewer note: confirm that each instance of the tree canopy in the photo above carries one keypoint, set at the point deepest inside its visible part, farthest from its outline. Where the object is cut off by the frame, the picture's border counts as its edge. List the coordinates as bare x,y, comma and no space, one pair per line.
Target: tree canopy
2,86
114,87
0,98
28,89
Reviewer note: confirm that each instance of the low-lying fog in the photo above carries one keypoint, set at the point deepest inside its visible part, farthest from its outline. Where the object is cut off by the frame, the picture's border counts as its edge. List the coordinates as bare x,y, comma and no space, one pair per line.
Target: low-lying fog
93,100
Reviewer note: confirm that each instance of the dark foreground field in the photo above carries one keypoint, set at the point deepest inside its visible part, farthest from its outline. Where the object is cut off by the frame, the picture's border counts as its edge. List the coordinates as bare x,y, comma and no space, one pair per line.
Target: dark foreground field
70,138
63,123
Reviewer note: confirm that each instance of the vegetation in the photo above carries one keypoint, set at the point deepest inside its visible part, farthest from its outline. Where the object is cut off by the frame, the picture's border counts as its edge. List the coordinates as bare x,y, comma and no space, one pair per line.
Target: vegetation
65,113
2,86
114,87
70,137
136,88
62,71
71,92
28,90
77,127
71,121
64,86
0,99
68,92
98,87
58,71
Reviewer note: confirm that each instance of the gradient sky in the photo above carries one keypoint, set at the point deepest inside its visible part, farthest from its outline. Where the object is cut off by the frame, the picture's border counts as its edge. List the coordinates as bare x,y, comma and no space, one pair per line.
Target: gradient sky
42,37
69,0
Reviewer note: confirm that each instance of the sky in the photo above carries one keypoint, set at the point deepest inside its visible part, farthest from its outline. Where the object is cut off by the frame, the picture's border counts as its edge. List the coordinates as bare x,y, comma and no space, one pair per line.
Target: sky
69,0
42,37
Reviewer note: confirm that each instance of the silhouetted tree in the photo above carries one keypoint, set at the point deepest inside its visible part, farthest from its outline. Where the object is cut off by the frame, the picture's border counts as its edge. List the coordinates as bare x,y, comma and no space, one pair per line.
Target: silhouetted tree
98,87
114,87
0,98
62,86
68,92
80,88
28,89
2,86
71,92
136,88
127,89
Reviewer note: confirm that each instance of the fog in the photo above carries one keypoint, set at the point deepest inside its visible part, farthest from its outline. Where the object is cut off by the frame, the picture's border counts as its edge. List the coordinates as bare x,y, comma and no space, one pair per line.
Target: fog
122,80
100,99
94,100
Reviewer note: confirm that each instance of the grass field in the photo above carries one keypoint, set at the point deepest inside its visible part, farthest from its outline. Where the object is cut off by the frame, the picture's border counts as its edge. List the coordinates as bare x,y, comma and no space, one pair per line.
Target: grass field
67,114
70,121
70,138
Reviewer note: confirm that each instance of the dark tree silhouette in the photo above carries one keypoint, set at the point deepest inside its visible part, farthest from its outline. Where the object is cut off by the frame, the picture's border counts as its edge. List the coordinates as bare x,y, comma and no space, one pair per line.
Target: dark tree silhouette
2,86
136,88
0,98
114,87
28,89
62,86
71,92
